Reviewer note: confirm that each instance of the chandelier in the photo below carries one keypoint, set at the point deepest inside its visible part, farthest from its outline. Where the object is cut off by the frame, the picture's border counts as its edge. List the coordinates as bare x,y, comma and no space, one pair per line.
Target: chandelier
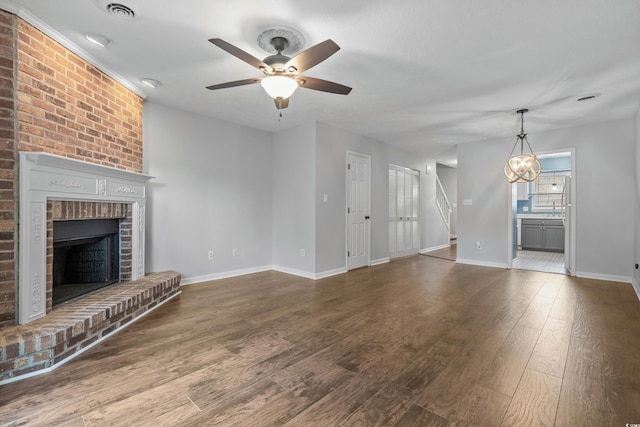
522,167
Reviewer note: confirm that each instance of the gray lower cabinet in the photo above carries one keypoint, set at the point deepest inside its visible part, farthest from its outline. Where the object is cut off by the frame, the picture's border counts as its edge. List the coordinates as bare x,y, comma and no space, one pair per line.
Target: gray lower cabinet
543,235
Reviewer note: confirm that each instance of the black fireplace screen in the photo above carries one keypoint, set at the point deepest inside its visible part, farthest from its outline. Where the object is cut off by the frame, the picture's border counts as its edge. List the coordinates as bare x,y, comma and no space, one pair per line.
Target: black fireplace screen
86,257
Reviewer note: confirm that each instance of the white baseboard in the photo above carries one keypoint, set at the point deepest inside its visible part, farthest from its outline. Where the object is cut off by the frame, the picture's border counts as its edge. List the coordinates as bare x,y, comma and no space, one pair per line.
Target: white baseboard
435,248
294,271
308,275
636,287
330,273
224,275
301,273
608,277
481,263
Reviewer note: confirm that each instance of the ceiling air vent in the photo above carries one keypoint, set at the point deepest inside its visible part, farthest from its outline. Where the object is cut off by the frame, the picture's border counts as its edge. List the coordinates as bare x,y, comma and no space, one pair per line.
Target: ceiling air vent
121,11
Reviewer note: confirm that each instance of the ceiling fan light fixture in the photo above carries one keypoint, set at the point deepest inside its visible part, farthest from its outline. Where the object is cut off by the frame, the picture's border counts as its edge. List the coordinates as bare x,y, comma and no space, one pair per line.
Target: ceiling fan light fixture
279,86
522,167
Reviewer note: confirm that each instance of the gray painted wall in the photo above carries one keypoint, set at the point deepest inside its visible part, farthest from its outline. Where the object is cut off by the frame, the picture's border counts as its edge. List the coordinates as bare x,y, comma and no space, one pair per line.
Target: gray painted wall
333,145
212,191
294,215
221,186
605,176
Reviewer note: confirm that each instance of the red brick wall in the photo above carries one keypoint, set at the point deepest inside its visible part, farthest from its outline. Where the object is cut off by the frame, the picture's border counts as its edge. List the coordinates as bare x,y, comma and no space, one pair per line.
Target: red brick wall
51,100
8,185
70,108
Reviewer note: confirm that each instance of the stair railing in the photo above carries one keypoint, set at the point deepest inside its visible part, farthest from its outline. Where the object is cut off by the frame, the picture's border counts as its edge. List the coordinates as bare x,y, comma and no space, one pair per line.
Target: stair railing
442,202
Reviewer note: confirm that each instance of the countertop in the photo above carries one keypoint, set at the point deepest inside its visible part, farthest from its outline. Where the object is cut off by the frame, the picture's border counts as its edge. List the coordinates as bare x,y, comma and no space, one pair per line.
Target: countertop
539,216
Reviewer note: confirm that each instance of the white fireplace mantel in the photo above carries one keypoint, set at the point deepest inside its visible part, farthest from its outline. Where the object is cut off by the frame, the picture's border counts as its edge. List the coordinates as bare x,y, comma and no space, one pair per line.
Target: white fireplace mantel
46,177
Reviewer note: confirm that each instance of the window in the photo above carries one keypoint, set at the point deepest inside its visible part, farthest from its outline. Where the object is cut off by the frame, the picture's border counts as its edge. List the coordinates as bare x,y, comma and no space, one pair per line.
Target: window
547,191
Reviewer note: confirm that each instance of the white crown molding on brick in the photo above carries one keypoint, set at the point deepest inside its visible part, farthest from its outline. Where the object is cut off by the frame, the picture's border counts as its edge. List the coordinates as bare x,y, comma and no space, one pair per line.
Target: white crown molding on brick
55,35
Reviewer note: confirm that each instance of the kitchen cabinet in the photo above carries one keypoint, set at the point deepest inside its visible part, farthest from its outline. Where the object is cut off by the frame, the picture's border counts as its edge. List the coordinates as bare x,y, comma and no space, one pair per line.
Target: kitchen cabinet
543,235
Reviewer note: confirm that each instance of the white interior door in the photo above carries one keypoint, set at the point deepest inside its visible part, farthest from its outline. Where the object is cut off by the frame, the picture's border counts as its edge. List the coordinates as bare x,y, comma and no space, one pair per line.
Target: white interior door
404,203
358,207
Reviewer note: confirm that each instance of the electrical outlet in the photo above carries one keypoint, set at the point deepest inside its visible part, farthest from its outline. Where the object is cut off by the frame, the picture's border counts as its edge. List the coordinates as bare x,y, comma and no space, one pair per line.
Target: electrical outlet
210,254
302,252
234,252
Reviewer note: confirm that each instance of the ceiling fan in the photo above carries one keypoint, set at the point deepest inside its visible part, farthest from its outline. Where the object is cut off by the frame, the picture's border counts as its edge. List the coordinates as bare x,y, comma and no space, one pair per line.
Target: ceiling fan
282,76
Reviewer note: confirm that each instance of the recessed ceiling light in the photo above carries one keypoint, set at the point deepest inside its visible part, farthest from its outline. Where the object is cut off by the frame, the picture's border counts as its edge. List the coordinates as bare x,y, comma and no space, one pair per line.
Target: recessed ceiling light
153,83
588,97
98,39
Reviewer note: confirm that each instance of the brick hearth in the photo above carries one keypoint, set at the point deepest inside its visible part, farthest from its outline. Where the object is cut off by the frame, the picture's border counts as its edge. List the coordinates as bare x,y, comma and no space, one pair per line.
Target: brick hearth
72,327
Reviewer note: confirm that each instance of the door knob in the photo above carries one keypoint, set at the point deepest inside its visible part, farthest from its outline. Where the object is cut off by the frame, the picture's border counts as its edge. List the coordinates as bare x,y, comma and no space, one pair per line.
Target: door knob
366,217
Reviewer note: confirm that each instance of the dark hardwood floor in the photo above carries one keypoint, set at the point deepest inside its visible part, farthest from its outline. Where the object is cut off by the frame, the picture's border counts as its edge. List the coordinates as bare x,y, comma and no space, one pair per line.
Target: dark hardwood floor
420,341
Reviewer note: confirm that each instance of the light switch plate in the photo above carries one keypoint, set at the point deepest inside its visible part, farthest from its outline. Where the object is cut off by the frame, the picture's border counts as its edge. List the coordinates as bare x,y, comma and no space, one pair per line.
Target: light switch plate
467,202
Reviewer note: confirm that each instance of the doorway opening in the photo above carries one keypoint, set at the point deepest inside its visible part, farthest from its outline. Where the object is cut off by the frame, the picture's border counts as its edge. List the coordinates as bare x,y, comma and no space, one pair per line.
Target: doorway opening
542,212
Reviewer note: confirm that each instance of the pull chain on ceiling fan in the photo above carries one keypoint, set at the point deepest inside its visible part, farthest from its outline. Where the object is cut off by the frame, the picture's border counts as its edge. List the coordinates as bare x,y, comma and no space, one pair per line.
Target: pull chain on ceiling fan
281,72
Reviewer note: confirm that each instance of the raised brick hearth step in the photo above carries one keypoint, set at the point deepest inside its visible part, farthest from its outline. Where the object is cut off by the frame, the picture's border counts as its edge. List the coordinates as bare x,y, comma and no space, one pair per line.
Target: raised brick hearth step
71,327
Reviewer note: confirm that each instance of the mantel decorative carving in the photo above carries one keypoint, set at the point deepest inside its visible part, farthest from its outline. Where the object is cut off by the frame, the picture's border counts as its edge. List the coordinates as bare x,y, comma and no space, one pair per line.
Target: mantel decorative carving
125,189
61,182
46,177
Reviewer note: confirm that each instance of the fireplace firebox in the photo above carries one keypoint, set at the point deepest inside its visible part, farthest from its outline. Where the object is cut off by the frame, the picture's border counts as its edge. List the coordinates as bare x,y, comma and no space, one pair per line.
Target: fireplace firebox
86,257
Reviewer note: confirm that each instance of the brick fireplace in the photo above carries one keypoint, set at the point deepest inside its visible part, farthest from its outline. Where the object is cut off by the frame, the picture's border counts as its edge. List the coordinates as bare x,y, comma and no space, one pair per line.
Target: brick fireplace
57,188
53,101
70,149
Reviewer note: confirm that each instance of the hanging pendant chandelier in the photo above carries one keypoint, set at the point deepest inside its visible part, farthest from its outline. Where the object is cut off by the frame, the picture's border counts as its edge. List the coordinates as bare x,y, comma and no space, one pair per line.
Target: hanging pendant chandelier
522,167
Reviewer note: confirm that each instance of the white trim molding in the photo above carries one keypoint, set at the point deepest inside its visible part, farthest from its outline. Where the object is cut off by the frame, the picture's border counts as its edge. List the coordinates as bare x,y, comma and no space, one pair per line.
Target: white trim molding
379,261
223,275
608,277
234,273
636,287
295,272
435,248
46,177
329,273
481,263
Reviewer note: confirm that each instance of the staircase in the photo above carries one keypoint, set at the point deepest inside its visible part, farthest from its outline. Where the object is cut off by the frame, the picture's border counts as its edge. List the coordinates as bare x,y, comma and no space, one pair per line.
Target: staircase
442,202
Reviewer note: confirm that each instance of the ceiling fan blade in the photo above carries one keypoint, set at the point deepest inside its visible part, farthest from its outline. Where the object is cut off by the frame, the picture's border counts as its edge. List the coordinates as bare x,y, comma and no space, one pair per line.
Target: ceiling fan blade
323,85
281,103
240,54
234,84
312,56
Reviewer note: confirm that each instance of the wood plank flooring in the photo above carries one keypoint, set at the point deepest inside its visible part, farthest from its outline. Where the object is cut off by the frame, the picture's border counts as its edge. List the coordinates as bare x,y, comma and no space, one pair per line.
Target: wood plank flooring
420,341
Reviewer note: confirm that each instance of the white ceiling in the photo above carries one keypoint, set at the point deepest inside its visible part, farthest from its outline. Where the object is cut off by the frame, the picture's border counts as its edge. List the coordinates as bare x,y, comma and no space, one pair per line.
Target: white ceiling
426,74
